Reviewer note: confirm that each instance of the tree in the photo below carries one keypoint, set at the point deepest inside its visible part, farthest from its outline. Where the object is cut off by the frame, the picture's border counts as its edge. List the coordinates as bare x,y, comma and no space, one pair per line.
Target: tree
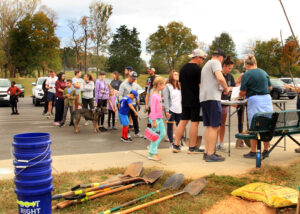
34,44
76,42
268,55
224,42
171,42
290,57
125,49
84,24
12,11
159,63
99,16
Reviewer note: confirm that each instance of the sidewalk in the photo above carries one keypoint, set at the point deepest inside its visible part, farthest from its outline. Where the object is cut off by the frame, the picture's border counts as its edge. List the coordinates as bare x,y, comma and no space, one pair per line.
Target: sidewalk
193,166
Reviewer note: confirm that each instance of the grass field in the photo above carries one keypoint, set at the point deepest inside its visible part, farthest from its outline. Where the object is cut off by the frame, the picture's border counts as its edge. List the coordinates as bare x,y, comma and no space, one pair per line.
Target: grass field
217,188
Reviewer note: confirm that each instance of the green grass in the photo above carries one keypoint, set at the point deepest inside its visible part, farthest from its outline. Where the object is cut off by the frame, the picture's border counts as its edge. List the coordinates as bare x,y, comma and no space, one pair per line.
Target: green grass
217,188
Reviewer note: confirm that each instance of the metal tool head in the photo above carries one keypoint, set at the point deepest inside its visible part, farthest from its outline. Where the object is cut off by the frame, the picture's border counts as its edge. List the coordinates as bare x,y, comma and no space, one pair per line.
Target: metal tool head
134,169
174,181
195,186
153,176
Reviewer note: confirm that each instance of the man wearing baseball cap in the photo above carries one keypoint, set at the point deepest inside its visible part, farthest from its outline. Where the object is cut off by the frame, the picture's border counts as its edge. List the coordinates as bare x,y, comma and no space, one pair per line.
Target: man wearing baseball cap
189,78
125,88
149,86
212,85
127,70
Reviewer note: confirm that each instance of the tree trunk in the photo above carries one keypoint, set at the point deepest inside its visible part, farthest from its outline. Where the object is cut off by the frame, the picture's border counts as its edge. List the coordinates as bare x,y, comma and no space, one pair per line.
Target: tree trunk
39,73
44,72
5,73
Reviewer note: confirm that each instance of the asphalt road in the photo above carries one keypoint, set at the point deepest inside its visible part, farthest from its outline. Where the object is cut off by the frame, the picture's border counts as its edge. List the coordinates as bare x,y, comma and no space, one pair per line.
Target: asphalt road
65,141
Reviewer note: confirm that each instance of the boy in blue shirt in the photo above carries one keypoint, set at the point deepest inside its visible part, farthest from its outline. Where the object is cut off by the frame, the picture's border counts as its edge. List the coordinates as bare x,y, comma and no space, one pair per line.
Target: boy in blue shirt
125,105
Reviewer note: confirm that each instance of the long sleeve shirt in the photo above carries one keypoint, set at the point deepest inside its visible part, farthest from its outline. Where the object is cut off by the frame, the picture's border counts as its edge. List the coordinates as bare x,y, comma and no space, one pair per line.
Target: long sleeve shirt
156,107
126,88
101,85
87,90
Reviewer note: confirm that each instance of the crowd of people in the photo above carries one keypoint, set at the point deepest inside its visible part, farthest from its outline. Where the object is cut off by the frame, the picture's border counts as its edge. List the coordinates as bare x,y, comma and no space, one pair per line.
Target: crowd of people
192,94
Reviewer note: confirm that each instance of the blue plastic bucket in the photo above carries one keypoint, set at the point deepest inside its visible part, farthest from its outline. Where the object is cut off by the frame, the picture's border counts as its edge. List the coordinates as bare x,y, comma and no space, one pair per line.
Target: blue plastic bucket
33,178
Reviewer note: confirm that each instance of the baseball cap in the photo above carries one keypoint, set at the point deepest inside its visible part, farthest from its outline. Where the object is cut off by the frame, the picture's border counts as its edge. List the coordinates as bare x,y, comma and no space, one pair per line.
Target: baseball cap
198,52
133,75
219,52
102,72
129,68
134,93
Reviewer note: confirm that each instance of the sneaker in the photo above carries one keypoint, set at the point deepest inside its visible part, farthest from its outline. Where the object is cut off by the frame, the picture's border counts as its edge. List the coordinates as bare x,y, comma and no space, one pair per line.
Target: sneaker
62,124
124,140
49,116
297,150
138,135
251,155
71,124
154,157
17,113
222,147
195,150
265,154
176,148
214,158
56,123
204,156
12,113
102,129
129,139
108,128
114,128
44,113
86,123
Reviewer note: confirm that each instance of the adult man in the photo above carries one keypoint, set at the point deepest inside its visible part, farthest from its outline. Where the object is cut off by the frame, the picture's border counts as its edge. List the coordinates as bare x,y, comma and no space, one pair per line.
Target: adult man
212,85
127,70
189,78
149,85
77,82
50,85
125,88
14,92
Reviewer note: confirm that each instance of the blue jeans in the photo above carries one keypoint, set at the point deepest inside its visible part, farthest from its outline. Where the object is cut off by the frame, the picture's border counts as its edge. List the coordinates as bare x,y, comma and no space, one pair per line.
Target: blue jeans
160,127
173,118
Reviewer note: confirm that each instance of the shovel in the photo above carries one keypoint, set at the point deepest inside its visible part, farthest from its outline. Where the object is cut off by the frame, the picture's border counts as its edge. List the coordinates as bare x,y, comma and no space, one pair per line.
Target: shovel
192,188
149,178
133,170
173,182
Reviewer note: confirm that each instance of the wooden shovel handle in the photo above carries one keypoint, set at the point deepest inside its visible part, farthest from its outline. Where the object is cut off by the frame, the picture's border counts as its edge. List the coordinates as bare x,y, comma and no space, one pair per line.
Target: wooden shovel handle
111,191
65,204
146,204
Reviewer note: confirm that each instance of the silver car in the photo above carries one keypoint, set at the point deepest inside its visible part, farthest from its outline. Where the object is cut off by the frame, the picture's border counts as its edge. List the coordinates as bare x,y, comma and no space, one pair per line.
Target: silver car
4,85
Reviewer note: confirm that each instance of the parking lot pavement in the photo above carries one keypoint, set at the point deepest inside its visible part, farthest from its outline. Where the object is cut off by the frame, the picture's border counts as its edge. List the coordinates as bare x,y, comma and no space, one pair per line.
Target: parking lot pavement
64,140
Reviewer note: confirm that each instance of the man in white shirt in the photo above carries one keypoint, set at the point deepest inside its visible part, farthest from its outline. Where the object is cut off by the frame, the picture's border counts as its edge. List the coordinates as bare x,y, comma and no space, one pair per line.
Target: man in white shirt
50,85
77,82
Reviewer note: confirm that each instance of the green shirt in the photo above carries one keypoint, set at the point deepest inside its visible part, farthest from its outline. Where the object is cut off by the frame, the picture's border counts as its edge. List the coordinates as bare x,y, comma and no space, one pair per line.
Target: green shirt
255,82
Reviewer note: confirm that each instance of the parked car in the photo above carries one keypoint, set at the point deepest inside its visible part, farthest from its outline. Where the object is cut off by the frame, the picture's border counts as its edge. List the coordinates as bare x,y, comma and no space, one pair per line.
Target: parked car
22,90
37,91
279,90
289,81
4,85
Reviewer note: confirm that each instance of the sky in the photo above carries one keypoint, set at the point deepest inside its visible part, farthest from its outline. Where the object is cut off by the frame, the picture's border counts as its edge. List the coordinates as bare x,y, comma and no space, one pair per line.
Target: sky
245,21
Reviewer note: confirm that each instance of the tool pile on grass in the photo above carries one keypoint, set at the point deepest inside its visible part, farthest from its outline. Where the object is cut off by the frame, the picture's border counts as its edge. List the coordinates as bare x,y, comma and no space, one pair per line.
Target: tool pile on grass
131,178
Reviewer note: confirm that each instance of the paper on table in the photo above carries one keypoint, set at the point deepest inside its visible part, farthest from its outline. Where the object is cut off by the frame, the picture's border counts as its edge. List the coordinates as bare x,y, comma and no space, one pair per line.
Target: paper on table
235,93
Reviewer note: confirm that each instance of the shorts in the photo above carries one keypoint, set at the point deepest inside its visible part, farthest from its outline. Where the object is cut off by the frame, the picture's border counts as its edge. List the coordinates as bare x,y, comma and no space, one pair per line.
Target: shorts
191,113
225,109
124,120
51,97
212,113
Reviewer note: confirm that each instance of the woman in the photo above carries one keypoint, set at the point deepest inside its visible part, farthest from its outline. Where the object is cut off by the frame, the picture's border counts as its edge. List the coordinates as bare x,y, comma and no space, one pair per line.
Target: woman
60,85
116,82
172,103
256,86
88,93
227,67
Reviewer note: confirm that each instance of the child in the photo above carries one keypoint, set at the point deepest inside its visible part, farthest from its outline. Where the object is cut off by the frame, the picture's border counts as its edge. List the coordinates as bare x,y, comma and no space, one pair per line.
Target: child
155,117
112,109
14,91
125,104
69,101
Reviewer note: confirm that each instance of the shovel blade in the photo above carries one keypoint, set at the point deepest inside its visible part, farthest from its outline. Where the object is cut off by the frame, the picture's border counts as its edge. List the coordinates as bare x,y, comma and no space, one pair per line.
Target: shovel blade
134,169
153,176
174,181
195,186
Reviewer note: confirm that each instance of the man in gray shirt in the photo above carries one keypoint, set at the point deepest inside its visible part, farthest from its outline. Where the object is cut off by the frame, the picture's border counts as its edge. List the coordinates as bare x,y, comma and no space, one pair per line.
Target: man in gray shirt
125,88
212,85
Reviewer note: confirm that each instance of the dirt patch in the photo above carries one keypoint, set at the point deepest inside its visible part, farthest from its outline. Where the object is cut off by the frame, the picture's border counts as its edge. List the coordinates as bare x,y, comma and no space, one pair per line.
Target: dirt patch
234,205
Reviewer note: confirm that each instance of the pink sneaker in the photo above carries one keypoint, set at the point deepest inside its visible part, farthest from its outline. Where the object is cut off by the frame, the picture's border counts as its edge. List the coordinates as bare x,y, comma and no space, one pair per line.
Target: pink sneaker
154,157
56,123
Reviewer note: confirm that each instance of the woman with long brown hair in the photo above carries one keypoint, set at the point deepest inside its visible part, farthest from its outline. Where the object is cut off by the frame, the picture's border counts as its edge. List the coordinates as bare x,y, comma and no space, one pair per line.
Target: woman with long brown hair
172,103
